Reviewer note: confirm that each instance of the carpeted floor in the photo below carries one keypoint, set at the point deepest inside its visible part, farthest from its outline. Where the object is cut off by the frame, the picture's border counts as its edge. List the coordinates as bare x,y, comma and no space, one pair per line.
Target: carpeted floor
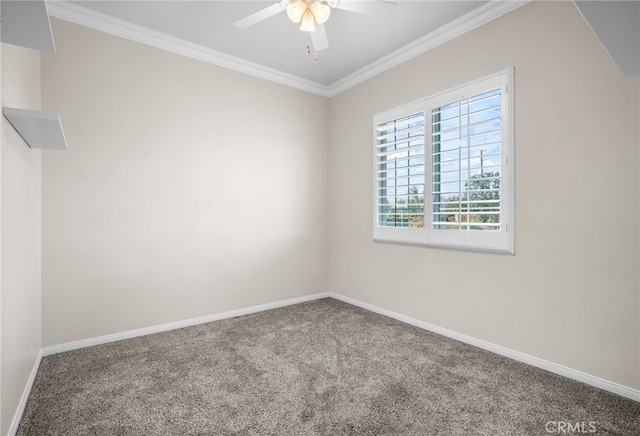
317,368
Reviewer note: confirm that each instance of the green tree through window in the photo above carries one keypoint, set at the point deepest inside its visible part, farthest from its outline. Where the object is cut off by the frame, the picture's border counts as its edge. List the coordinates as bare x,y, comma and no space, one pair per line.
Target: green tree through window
479,206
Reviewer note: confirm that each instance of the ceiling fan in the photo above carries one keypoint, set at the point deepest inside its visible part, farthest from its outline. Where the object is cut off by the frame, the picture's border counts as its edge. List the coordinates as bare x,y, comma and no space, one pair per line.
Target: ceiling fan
312,14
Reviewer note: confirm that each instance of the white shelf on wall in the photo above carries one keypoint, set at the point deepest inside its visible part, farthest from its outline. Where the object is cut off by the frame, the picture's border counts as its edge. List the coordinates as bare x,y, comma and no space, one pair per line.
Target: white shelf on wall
26,23
38,129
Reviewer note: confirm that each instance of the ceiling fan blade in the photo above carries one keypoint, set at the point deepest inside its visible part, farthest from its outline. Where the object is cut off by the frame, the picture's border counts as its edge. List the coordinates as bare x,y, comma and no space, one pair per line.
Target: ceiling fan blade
262,14
319,38
364,7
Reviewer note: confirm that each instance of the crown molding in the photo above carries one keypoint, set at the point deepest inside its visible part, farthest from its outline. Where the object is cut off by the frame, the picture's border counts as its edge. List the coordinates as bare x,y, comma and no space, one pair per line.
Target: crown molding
86,17
476,18
96,20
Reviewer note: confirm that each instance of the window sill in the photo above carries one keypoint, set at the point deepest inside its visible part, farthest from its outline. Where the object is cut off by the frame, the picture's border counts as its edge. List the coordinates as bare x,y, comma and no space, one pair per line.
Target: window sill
445,246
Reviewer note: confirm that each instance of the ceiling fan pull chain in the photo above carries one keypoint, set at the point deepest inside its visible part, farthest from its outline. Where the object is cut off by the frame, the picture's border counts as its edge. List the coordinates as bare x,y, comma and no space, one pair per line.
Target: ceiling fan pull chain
315,53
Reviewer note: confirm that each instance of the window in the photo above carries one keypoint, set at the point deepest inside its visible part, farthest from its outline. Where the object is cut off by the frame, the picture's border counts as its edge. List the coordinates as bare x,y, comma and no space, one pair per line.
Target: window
444,169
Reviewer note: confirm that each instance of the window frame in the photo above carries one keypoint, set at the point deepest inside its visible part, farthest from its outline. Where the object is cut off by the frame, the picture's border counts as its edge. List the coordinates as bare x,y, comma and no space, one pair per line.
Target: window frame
501,241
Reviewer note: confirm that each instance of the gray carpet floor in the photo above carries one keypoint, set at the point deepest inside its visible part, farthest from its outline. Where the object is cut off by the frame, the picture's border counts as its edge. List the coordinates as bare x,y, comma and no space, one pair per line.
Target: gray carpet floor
317,368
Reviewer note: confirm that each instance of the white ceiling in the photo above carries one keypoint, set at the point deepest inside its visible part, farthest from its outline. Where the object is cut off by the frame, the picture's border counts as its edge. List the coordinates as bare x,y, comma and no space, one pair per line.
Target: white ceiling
360,44
355,39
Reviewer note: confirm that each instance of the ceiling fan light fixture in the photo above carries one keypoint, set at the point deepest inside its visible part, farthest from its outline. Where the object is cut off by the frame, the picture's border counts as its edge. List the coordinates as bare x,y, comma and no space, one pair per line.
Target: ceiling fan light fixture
308,22
295,10
320,11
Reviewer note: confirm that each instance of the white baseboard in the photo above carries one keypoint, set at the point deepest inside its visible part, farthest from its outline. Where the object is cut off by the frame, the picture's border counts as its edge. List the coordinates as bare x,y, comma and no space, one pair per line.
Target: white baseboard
17,417
68,346
616,388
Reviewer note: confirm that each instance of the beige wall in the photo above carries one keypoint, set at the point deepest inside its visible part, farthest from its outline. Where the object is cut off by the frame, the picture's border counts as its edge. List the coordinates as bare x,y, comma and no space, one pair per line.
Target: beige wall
187,189
570,295
20,224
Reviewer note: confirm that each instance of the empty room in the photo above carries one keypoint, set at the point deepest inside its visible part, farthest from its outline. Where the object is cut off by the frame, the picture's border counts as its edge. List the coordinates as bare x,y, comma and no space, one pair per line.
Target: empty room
308,217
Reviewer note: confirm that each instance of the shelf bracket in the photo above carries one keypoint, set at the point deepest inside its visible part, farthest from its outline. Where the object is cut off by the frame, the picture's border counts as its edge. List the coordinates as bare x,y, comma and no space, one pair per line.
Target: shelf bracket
38,129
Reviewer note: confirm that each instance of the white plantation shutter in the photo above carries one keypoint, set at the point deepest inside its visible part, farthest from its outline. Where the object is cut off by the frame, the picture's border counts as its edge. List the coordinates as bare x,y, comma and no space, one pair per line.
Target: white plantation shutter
466,163
443,174
400,157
